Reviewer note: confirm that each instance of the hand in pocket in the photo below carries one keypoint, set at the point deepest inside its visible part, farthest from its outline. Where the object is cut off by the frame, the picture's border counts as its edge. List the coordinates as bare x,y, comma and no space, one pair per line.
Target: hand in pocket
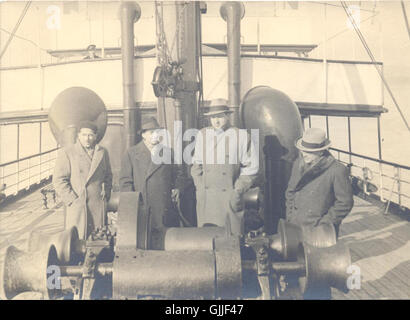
236,201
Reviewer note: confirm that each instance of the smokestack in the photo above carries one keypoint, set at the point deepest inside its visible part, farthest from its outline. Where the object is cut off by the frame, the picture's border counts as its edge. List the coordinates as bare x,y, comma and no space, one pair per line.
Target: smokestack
232,13
130,13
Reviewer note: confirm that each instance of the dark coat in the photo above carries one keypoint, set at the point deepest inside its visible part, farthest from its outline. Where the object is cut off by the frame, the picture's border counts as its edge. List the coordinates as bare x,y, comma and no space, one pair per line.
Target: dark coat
155,182
78,181
322,194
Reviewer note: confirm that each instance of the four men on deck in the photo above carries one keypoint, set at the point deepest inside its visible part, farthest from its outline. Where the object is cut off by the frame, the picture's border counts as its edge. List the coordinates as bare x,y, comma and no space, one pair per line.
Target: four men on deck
225,166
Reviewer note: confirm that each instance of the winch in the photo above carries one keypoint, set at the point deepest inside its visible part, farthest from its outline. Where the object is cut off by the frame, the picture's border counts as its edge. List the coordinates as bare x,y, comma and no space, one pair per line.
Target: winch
196,263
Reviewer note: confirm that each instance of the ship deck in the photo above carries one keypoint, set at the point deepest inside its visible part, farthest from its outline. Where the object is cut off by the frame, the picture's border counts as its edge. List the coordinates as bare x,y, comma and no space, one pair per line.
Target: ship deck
379,244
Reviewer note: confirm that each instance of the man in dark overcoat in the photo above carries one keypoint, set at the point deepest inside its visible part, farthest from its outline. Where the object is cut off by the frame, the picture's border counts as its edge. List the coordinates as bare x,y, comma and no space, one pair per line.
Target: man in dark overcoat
319,192
319,189
158,181
83,180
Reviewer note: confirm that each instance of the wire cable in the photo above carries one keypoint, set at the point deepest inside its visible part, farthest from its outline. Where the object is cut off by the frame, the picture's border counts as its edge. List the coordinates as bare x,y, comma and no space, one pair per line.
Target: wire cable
22,38
403,7
369,52
22,15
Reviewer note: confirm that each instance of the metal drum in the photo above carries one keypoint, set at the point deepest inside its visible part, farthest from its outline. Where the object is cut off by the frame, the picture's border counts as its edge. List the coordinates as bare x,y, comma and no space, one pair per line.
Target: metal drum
275,115
279,123
186,274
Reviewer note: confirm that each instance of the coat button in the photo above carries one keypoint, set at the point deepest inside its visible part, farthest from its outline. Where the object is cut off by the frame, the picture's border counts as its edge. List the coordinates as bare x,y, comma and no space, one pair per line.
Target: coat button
224,173
206,188
223,190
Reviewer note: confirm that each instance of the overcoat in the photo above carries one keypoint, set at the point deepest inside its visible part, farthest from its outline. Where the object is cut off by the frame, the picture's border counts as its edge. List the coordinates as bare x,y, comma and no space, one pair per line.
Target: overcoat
321,194
78,180
154,181
220,185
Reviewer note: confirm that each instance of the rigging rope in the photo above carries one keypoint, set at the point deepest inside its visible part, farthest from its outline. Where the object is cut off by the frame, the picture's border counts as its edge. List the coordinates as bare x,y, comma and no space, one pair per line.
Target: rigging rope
23,13
25,39
369,52
200,69
403,7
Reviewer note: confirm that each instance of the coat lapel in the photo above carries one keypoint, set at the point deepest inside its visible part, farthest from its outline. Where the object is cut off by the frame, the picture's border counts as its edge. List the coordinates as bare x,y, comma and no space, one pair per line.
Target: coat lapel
82,153
314,172
152,166
97,157
143,161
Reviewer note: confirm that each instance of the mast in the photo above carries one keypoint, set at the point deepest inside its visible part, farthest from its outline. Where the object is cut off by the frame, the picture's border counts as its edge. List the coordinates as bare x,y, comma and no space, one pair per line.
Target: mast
178,52
130,12
232,13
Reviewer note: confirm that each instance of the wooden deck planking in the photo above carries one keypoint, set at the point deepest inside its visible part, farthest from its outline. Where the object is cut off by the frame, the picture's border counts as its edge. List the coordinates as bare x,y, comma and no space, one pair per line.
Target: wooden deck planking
382,249
378,243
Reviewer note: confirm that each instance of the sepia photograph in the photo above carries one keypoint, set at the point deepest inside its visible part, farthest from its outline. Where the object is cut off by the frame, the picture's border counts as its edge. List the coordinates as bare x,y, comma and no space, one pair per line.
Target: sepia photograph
226,151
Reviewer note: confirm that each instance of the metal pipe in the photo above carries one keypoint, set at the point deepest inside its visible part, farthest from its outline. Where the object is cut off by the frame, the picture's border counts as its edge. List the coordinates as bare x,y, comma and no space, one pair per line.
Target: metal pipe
296,268
232,13
76,271
350,139
130,12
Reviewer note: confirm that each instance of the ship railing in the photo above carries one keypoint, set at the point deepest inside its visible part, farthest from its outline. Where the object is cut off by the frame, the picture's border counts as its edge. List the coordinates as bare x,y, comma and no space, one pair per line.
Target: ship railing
25,170
391,179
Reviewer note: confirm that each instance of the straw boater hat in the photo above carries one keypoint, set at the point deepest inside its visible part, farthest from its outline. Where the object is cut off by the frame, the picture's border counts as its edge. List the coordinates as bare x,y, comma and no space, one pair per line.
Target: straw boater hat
218,106
149,124
314,139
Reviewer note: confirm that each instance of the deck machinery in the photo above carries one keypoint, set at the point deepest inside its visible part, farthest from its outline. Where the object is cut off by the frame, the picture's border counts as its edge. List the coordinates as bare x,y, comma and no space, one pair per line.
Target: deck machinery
196,263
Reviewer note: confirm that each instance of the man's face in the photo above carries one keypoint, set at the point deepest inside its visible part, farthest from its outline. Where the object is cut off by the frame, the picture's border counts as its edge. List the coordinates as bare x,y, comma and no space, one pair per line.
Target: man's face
309,157
218,121
153,137
87,138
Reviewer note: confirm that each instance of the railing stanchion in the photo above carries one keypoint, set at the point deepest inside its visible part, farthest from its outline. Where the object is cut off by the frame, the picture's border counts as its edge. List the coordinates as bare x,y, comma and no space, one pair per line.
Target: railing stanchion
398,185
381,183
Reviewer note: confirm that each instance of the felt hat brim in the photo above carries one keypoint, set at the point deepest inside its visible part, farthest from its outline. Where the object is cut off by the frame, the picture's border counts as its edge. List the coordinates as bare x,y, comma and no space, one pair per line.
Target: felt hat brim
146,129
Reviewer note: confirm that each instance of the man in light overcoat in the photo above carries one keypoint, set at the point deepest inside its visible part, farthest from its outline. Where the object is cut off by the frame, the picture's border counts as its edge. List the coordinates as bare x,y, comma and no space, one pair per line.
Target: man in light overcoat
223,170
83,180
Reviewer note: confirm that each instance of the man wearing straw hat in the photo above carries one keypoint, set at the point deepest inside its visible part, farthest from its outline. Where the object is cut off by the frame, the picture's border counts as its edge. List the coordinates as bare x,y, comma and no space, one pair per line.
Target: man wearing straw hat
224,168
319,189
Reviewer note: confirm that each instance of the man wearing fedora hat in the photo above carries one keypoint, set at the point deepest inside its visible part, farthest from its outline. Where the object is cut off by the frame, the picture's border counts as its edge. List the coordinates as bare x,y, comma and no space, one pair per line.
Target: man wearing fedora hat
158,182
319,189
83,179
220,185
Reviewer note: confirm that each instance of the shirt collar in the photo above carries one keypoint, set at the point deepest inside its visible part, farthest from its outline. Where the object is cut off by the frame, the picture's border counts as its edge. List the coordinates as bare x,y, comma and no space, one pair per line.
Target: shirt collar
223,129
